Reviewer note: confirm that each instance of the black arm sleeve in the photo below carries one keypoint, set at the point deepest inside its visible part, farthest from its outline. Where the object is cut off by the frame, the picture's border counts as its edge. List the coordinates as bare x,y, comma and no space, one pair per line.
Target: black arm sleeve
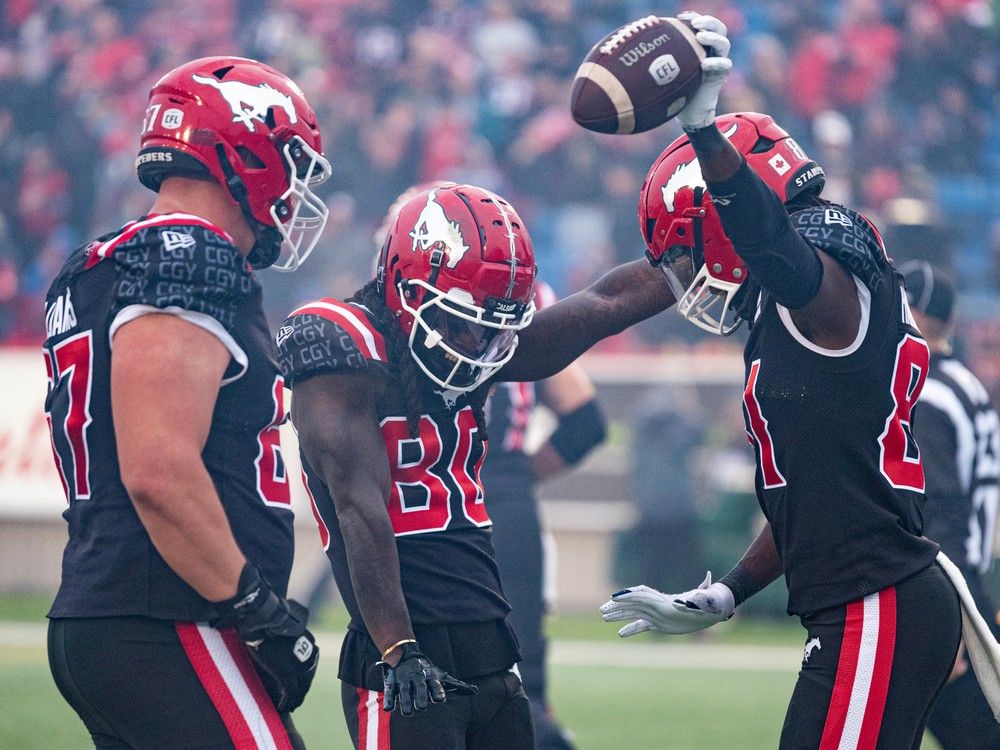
756,222
579,431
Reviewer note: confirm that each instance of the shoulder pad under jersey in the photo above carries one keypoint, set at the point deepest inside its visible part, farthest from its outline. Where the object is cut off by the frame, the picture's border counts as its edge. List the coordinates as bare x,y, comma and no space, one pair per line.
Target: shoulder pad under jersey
328,336
178,261
847,236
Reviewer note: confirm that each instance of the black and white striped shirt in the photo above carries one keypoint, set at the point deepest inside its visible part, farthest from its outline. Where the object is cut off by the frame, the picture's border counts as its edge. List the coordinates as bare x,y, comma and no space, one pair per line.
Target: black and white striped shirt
959,436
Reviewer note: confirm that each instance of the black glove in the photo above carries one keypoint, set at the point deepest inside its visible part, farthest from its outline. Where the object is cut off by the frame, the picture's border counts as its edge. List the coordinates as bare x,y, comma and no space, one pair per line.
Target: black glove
416,683
274,629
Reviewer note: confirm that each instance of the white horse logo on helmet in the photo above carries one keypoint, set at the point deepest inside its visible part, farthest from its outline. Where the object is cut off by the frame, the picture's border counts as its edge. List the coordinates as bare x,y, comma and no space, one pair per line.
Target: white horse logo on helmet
250,102
688,174
433,228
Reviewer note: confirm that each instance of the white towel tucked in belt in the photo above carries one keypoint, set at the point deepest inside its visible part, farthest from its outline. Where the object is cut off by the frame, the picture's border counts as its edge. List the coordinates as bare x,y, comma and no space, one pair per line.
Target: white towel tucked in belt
980,645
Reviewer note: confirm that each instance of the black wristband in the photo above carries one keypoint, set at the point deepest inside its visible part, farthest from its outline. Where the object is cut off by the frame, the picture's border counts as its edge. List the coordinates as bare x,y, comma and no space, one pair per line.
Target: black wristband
253,596
742,583
578,432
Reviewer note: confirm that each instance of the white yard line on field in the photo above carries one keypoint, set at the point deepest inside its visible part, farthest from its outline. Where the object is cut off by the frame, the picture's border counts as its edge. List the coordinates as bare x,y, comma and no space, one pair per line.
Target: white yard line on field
715,656
638,654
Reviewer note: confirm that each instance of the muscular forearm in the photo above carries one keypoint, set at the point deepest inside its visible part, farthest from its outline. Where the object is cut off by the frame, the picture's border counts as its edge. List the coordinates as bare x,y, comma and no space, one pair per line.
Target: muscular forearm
184,518
758,568
374,565
562,332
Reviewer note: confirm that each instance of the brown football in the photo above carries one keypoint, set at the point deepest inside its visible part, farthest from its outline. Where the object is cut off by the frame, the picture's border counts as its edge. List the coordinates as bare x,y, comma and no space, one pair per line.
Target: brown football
638,76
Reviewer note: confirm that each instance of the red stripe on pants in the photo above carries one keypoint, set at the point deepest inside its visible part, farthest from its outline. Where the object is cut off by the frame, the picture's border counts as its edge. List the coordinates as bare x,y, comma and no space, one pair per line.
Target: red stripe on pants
883,668
211,679
382,741
238,650
847,667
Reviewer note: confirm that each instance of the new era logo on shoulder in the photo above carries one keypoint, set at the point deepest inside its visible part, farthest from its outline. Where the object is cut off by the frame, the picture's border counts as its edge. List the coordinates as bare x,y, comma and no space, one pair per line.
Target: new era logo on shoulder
176,240
283,333
833,216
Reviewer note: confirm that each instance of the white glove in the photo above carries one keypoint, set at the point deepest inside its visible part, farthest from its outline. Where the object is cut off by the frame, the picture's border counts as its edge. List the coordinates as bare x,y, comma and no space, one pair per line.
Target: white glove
710,33
675,614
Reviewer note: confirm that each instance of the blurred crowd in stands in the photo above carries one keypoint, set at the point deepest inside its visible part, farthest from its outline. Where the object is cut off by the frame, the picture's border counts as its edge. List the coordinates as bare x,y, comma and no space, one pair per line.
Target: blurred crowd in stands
899,100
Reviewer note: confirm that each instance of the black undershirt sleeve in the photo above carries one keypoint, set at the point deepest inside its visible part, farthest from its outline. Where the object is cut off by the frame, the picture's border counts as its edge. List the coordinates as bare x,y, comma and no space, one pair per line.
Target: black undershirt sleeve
756,222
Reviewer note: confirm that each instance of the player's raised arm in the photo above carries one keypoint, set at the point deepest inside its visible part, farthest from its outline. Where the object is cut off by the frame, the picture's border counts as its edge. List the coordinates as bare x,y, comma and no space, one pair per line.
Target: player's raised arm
815,287
337,425
559,334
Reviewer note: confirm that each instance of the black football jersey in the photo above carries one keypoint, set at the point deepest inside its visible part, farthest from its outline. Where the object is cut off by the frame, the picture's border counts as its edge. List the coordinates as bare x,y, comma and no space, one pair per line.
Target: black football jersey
959,434
508,415
839,475
182,265
435,501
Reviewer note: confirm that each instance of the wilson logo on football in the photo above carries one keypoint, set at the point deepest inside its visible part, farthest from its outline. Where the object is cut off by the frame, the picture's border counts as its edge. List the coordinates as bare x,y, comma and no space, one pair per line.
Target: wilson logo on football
248,102
434,230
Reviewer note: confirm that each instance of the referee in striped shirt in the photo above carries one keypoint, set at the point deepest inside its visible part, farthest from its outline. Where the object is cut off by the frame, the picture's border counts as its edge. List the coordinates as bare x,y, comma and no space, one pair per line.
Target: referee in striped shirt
958,432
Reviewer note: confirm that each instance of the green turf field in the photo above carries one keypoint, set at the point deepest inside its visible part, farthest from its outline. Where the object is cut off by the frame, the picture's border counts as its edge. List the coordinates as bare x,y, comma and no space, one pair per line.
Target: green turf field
675,694
607,708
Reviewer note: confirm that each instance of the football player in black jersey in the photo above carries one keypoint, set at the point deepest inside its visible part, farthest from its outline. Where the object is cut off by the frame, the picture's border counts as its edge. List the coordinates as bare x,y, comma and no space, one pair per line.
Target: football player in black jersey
389,393
171,627
510,474
959,435
731,211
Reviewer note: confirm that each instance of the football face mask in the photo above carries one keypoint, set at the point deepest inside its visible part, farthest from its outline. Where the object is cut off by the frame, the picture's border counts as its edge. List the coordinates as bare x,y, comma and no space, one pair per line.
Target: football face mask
702,268
458,344
299,214
458,271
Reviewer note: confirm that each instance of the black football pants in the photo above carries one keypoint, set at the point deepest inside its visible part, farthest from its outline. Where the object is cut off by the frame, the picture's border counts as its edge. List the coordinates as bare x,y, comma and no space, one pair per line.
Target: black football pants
872,668
497,718
155,684
517,541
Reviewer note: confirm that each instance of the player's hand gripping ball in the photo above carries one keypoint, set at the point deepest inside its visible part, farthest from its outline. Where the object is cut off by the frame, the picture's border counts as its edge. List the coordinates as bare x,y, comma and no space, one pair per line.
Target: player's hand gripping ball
638,76
648,71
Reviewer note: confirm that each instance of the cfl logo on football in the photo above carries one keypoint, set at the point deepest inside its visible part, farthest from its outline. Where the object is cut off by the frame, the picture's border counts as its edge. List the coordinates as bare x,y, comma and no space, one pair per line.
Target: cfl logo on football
664,69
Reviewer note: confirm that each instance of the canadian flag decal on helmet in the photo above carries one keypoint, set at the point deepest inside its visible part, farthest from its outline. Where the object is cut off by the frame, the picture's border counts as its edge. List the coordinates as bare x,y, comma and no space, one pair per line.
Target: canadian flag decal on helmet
435,230
688,174
250,102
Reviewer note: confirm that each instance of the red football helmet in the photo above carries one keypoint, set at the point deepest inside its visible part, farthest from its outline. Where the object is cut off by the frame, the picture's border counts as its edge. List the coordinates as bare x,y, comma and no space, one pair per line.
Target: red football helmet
458,271
250,128
390,216
682,229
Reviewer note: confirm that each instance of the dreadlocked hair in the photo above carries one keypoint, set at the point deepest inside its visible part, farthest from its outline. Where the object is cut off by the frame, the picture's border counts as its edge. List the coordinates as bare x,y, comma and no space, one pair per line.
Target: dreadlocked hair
404,366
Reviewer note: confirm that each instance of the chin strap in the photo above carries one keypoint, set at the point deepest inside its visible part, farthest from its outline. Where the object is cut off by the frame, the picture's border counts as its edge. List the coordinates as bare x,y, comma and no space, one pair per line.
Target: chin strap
267,244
